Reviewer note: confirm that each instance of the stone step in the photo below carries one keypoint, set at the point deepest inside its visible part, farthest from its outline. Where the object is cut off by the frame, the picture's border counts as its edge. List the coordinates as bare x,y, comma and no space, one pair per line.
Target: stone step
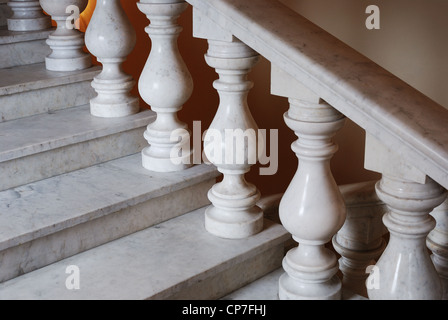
31,89
266,288
21,48
46,221
46,145
177,259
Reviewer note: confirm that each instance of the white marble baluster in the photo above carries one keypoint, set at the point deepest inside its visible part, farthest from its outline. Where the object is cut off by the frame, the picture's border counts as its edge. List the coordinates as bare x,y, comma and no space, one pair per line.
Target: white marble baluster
165,84
437,242
405,270
312,208
360,241
66,42
233,213
27,16
111,38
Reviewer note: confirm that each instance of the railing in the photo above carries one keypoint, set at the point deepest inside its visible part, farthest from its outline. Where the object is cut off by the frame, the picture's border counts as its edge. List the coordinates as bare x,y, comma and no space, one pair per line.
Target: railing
325,82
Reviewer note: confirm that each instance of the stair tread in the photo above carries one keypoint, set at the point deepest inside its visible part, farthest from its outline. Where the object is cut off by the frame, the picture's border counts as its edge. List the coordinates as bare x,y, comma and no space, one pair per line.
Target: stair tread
43,132
152,263
85,194
7,36
265,288
35,76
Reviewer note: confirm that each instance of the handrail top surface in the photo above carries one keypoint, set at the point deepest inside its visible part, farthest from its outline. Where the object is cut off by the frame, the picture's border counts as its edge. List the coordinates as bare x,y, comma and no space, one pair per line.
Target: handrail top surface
398,115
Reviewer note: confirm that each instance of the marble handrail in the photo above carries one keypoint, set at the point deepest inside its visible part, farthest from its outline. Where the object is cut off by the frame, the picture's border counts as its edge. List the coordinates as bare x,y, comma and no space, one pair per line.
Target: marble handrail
399,116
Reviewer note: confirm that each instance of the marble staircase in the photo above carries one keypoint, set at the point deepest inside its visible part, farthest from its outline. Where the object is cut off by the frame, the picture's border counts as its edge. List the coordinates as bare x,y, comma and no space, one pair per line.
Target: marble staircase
103,199
73,192
176,259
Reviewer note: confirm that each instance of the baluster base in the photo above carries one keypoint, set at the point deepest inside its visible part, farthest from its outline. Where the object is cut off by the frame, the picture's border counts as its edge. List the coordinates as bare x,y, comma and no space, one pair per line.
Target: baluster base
233,225
114,109
310,274
234,216
34,20
292,289
113,99
165,164
354,265
64,57
441,264
437,242
69,64
169,147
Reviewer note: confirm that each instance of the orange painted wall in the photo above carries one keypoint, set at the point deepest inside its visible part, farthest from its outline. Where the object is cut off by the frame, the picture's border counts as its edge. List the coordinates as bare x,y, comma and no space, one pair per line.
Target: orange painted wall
347,165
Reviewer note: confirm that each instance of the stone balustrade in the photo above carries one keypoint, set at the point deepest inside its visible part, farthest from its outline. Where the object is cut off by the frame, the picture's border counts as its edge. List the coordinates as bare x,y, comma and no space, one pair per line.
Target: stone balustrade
325,82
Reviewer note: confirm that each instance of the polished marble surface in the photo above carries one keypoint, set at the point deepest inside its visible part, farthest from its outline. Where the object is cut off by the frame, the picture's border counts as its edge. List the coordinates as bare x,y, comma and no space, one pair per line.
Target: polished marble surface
46,145
173,259
22,48
31,89
51,219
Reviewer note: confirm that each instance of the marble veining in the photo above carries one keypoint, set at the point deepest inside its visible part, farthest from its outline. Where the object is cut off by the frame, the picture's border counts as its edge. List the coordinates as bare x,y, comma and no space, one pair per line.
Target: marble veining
31,135
22,53
84,195
7,36
35,76
44,100
120,221
119,269
31,89
71,157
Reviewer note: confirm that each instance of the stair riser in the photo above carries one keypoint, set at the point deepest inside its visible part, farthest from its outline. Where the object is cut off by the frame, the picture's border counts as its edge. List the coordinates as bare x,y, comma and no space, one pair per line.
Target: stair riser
45,100
23,53
228,280
35,254
14,173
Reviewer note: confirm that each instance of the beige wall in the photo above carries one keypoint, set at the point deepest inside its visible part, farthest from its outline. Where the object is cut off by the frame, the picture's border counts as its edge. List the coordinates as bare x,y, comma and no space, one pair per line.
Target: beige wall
412,42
